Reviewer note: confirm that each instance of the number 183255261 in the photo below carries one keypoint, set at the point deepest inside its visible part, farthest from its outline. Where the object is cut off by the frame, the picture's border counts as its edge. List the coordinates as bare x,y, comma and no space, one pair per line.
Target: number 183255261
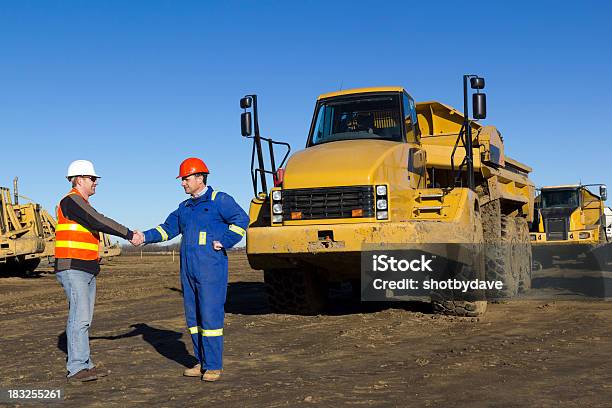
13,394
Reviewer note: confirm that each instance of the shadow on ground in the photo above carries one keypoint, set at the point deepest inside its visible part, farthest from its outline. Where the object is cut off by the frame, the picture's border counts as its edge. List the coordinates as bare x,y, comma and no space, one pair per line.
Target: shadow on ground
167,343
250,298
590,286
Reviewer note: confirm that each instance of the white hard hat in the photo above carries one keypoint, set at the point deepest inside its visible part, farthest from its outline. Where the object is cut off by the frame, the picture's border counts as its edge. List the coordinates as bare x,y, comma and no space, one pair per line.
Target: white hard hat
81,168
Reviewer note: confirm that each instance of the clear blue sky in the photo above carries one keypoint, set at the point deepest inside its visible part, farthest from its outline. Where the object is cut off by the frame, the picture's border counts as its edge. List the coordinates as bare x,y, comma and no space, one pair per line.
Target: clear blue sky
137,86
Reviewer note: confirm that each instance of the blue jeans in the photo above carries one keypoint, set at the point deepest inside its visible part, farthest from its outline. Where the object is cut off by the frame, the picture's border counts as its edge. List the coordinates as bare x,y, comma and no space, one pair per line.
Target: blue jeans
80,288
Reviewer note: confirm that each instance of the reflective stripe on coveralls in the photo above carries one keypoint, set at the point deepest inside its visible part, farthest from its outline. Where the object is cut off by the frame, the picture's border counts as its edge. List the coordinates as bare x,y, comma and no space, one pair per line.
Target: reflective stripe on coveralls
237,230
163,233
207,333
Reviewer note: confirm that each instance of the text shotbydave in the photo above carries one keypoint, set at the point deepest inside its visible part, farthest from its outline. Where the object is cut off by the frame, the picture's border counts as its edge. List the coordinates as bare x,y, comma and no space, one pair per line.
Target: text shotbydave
431,284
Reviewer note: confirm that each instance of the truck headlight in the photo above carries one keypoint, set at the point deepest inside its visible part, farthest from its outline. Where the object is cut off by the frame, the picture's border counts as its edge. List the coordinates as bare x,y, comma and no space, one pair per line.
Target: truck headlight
381,204
277,206
584,235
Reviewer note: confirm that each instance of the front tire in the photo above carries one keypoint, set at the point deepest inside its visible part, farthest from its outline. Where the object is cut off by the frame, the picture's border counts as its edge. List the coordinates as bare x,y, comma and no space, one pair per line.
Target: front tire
455,303
295,291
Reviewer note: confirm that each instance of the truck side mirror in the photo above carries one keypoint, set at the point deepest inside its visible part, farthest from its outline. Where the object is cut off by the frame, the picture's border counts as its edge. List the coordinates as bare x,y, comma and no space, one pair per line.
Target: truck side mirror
479,105
245,122
603,192
477,83
245,102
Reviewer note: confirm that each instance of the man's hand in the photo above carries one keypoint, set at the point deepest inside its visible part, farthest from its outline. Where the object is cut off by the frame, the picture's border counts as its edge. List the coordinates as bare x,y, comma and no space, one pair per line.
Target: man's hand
217,246
138,238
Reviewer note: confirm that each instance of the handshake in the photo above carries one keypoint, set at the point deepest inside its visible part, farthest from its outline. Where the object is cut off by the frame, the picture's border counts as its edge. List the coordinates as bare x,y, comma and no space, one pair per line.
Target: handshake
138,239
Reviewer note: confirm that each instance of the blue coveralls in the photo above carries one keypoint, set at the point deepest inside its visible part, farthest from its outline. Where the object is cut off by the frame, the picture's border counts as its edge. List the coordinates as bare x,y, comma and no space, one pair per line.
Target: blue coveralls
214,216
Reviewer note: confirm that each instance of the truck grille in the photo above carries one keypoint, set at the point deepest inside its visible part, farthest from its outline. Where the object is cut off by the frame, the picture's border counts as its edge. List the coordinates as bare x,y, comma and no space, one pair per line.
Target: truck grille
332,202
556,229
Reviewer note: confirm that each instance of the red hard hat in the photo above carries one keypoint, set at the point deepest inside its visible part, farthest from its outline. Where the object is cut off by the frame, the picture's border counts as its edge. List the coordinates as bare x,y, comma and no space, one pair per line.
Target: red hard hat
191,166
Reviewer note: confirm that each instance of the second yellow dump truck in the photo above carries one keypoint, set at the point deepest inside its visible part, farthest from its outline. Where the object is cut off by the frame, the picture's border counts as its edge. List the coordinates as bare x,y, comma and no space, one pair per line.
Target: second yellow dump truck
570,224
380,169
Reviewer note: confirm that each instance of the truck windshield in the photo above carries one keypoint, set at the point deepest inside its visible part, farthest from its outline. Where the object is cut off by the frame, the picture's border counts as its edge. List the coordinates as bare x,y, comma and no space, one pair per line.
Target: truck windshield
358,117
560,198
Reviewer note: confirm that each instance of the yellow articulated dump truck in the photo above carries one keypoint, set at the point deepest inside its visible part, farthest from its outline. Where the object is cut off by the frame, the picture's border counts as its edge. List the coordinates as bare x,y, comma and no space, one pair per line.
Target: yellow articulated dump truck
380,169
27,235
570,224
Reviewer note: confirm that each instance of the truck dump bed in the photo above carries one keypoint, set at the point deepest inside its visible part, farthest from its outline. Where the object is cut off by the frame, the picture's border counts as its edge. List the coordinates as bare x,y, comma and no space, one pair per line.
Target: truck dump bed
507,178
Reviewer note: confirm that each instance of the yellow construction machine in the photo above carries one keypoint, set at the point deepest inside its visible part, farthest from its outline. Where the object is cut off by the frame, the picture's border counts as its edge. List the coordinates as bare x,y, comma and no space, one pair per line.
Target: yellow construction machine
22,235
27,235
570,224
380,169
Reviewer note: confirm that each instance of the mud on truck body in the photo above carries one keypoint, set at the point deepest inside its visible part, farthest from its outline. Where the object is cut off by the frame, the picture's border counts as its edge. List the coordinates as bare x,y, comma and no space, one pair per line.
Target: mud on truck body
380,169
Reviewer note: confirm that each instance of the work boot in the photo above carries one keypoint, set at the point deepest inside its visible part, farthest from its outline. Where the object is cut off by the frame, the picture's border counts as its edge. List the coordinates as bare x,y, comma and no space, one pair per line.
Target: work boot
212,375
99,371
195,371
82,376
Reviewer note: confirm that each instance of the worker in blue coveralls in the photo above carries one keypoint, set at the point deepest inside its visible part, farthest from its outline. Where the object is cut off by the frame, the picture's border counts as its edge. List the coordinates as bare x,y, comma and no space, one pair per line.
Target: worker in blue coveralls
211,222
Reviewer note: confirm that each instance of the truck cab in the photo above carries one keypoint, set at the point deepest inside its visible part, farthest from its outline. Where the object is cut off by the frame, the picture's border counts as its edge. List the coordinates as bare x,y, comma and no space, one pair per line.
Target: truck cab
570,214
570,224
384,114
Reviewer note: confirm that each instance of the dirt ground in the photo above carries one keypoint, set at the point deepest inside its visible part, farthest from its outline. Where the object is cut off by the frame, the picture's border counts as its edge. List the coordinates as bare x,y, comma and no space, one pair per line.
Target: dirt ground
534,352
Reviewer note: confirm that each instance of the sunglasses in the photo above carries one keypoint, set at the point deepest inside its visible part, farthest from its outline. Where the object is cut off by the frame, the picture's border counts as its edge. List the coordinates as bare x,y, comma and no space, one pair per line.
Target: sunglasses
92,178
189,177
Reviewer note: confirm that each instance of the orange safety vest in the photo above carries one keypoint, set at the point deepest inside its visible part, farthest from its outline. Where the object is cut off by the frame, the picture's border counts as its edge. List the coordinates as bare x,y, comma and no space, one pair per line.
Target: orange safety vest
72,240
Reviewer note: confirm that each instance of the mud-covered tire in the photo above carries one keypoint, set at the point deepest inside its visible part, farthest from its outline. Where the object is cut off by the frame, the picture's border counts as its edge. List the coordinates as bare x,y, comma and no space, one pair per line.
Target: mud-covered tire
507,251
457,303
460,307
295,291
498,237
471,303
523,254
501,263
